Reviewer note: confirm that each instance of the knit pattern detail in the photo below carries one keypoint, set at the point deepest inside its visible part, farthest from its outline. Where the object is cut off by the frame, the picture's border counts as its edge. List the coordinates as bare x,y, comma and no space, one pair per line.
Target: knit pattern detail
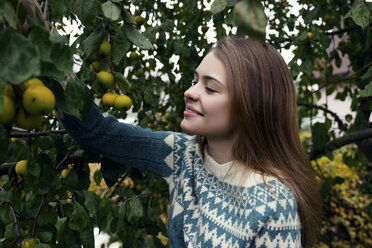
218,214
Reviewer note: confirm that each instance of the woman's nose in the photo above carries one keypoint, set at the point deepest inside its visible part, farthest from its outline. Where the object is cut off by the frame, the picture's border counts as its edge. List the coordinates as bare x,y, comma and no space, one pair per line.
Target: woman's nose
192,93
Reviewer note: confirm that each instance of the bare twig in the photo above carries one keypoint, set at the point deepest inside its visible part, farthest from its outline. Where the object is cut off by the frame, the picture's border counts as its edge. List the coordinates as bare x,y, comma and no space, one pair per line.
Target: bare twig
37,215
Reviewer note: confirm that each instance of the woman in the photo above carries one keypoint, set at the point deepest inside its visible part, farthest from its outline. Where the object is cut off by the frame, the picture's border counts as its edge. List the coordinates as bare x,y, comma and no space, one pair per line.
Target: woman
244,179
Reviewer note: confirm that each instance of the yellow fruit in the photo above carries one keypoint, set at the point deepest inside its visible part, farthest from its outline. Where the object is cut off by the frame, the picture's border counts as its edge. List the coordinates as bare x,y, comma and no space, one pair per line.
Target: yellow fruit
309,35
122,102
104,49
9,110
38,99
109,98
29,243
30,82
106,79
21,168
138,73
139,20
94,66
133,56
9,91
28,122
204,29
65,172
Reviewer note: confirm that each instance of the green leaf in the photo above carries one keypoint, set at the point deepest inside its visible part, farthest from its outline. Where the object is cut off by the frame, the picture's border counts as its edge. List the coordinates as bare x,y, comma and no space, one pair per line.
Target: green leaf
136,37
10,15
123,82
218,6
79,218
250,18
320,135
111,10
97,176
86,10
5,196
24,57
33,167
128,17
92,42
77,97
87,237
40,38
360,14
367,91
120,46
43,246
91,202
59,7
367,75
62,55
135,210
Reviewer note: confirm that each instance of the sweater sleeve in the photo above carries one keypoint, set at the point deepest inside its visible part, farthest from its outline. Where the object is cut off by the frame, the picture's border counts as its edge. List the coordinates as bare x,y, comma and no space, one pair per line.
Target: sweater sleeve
123,143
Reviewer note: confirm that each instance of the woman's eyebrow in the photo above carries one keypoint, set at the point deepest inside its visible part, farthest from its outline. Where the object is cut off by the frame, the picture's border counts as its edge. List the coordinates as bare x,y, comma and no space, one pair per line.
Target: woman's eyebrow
207,77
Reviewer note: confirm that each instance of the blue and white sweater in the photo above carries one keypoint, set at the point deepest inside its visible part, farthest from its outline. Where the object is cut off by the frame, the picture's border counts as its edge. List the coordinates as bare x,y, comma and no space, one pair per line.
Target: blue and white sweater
211,204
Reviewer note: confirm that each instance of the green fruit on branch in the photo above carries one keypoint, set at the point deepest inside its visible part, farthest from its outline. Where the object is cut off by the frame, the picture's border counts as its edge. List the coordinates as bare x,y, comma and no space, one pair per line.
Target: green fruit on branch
9,91
94,66
28,121
122,102
8,110
204,29
21,168
38,99
139,20
133,56
104,49
109,98
30,82
106,79
29,243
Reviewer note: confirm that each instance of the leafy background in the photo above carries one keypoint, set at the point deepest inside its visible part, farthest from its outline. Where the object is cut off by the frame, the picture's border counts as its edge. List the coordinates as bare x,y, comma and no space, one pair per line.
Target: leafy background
130,205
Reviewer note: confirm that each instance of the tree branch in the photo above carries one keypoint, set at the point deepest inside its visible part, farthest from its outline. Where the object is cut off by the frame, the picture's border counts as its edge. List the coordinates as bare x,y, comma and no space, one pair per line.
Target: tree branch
24,134
342,141
334,115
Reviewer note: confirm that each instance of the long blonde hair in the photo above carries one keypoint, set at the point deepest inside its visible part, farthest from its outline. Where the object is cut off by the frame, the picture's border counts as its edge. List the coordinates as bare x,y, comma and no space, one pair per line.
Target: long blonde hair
264,113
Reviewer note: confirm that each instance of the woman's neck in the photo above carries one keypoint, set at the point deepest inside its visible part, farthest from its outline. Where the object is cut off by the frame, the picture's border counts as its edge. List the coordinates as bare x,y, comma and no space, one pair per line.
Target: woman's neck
220,149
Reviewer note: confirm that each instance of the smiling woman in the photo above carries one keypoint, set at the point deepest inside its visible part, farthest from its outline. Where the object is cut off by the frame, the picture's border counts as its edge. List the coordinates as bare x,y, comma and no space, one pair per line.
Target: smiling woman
242,178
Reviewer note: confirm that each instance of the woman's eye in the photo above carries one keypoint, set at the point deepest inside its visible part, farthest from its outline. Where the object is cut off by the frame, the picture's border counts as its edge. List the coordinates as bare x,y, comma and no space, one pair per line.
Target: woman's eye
193,83
209,90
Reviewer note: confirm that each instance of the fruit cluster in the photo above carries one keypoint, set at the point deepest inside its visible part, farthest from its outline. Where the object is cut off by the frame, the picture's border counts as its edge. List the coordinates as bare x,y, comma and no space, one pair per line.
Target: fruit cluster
26,104
109,82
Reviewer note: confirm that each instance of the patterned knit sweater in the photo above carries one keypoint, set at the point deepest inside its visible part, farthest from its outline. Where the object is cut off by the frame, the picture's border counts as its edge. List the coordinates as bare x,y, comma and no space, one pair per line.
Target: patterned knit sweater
211,204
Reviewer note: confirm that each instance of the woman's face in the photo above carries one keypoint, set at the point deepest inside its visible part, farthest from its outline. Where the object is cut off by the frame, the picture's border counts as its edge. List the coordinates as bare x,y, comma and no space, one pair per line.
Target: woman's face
208,107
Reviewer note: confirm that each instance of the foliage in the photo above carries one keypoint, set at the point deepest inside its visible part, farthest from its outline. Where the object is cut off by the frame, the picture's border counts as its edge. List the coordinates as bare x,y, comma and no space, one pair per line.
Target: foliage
61,207
347,219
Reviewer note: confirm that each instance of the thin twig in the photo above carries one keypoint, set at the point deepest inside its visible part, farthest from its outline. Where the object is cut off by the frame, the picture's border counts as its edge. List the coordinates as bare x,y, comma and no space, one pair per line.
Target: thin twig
37,215
35,134
64,159
119,183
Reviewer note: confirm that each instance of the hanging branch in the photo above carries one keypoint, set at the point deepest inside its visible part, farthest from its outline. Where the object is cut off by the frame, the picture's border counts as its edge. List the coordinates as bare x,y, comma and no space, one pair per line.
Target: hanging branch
334,115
